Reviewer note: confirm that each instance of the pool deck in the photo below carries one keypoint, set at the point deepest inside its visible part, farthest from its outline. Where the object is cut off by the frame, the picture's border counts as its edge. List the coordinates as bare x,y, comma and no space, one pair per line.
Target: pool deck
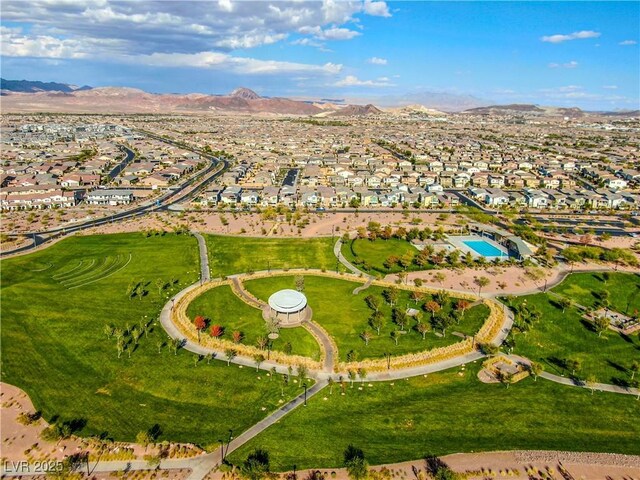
458,242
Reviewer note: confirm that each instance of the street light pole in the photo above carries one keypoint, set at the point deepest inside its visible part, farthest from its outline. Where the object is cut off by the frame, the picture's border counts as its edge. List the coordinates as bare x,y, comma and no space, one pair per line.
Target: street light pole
305,394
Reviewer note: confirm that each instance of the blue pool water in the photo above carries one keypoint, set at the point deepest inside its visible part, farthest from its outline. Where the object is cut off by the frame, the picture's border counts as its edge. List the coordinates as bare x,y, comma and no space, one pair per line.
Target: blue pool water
483,248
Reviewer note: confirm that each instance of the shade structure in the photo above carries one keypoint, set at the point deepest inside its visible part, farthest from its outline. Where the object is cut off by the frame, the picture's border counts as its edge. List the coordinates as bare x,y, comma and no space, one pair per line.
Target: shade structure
287,301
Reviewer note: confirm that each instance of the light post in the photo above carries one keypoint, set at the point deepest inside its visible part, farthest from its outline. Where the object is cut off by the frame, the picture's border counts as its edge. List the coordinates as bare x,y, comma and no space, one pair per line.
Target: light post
221,450
228,442
305,393
545,286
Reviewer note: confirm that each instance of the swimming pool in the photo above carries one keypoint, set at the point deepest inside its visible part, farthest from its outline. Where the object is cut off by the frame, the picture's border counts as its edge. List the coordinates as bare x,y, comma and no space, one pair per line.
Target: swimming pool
483,248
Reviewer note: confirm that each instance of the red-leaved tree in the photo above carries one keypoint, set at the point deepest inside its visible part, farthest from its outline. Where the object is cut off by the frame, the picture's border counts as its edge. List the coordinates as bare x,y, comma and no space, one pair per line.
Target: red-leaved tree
216,331
201,323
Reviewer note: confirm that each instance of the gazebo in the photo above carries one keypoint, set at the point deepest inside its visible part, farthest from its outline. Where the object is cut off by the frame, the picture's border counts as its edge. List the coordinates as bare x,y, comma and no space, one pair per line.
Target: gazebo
288,306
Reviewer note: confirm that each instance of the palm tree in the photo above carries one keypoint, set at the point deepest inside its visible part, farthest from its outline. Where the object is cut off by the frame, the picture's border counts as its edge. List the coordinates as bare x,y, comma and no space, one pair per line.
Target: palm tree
481,282
230,353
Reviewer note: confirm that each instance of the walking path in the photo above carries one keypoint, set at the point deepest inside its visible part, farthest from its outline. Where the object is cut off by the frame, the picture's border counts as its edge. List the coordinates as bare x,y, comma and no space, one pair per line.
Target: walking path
572,382
330,350
205,274
337,251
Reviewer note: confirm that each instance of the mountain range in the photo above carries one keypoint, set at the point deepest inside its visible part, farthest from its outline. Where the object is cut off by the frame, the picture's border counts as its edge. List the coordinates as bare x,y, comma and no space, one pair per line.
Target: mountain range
25,96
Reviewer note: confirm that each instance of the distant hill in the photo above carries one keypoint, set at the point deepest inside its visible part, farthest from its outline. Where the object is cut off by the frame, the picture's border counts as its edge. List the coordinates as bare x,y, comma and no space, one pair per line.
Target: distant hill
28,86
527,110
356,110
415,111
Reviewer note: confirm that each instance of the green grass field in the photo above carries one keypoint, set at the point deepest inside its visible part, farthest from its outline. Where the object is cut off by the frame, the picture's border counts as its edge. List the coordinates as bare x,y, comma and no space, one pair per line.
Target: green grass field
55,348
374,254
345,316
447,413
561,336
224,308
229,255
583,288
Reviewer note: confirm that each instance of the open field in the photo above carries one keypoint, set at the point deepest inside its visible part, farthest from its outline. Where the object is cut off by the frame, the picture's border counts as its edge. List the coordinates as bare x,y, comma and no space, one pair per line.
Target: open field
222,307
557,337
445,413
345,316
623,290
54,344
229,255
374,254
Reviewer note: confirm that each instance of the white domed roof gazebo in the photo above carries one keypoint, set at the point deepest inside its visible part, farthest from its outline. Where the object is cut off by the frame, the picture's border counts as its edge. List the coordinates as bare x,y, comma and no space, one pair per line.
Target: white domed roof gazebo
288,306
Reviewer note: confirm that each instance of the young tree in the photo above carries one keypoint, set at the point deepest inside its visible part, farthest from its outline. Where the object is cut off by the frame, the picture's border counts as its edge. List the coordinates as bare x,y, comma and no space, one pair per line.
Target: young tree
573,365
373,302
432,307
175,345
601,324
462,305
400,318
120,346
216,331
262,343
536,369
376,321
366,337
634,368
258,358
362,373
303,371
391,295
591,382
416,296
135,335
143,438
160,284
160,344
200,323
564,303
395,334
108,330
299,283
237,336
351,374
230,353
330,383
423,328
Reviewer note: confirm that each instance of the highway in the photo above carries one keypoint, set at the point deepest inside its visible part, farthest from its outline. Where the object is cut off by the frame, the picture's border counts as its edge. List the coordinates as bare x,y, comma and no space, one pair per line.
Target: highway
173,196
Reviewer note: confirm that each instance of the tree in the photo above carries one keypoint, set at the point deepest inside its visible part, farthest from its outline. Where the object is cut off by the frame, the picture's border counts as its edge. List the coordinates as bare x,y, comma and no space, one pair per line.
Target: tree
489,349
200,323
351,374
131,290
605,277
143,438
302,371
299,283
376,321
416,296
120,346
573,365
536,369
366,336
175,345
432,307
216,331
108,330
423,328
634,368
565,303
601,324
136,334
400,318
160,344
462,305
481,282
354,461
330,383
258,358
362,373
160,284
237,336
373,302
591,382
395,334
230,353
262,343
439,277
256,466
391,295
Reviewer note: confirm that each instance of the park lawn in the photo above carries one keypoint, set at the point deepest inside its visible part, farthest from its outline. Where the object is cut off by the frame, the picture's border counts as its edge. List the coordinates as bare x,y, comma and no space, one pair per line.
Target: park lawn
374,253
54,346
560,336
447,412
623,288
222,307
345,316
230,255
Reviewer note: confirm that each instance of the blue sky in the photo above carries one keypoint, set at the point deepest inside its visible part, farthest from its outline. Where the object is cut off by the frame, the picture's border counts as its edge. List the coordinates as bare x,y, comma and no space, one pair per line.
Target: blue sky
552,53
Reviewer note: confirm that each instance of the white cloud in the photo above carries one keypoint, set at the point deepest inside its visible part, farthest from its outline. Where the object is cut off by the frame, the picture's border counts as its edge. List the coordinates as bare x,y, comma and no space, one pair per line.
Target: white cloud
377,9
377,61
353,81
610,87
333,33
571,64
229,63
628,42
249,41
559,38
